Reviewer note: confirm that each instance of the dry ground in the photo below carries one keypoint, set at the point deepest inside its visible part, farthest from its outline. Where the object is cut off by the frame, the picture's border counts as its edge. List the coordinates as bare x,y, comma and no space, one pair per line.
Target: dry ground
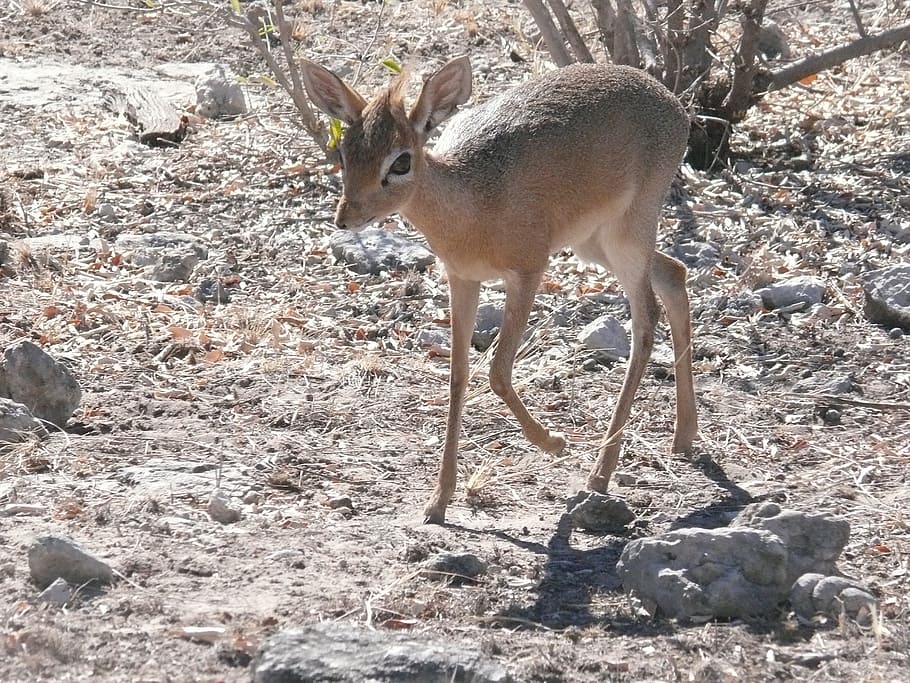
308,385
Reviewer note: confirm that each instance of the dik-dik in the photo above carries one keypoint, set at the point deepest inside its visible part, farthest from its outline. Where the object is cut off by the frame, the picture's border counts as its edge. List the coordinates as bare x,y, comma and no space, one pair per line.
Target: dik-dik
581,157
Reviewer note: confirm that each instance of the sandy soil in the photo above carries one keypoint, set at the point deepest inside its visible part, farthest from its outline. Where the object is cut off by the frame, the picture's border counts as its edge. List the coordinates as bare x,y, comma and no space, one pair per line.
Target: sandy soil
308,385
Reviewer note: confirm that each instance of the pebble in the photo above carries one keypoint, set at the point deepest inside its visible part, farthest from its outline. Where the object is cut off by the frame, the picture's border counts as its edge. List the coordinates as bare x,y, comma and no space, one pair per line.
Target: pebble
453,567
221,510
57,594
53,557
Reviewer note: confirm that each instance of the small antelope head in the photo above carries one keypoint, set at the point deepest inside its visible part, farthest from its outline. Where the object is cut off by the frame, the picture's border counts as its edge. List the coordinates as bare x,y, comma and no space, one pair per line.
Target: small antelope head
382,149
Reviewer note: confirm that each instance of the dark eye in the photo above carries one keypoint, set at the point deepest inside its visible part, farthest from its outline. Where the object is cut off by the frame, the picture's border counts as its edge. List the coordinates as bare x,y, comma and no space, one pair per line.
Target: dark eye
401,165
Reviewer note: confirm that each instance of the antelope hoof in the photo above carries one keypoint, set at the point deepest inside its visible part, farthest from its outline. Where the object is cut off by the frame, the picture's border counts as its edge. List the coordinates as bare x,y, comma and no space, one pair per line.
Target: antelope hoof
682,442
554,442
598,483
434,513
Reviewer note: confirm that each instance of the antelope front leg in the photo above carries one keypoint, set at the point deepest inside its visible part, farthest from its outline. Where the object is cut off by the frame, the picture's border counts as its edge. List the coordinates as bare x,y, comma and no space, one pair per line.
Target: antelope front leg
520,290
463,296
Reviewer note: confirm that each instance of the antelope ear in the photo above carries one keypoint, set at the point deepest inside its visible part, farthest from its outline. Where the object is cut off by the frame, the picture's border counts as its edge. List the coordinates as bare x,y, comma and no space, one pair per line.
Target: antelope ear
441,95
330,94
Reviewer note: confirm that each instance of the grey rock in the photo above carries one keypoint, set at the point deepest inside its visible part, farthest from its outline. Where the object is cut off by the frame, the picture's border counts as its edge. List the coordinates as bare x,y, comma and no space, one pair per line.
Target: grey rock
599,513
148,249
173,267
801,594
813,541
607,337
17,422
218,95
832,596
4,251
340,653
689,573
212,290
697,254
772,41
433,336
57,594
375,250
57,557
802,290
453,567
106,212
487,324
888,296
30,376
221,509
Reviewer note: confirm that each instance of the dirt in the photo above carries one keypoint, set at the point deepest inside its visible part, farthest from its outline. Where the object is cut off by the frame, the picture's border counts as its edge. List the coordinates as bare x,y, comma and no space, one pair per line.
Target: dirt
308,386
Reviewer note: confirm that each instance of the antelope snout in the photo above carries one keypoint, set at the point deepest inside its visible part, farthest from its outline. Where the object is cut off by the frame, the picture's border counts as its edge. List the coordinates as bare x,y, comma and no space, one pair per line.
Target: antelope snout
350,216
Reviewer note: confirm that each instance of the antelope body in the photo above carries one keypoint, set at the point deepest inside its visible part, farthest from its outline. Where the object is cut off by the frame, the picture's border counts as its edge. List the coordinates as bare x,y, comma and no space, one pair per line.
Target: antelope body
581,157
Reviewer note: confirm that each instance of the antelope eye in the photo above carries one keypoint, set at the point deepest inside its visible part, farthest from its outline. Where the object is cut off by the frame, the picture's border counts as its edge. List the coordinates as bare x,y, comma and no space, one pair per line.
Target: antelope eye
402,164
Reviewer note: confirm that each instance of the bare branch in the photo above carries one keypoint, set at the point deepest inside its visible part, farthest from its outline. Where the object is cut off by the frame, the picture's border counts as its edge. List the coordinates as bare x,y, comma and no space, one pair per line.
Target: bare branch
551,36
857,19
570,31
741,95
839,55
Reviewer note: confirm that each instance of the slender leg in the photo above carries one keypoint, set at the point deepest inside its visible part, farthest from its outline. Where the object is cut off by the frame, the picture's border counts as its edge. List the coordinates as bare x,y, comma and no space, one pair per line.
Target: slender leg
463,295
644,318
669,280
520,290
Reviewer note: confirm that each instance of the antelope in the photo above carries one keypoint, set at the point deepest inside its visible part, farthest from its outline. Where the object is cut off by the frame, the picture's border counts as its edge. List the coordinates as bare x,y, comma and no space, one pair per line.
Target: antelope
579,157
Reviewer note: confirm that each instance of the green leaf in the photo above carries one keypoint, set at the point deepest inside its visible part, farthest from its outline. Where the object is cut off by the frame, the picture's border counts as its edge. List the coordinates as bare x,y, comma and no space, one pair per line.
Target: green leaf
392,65
266,29
336,130
235,5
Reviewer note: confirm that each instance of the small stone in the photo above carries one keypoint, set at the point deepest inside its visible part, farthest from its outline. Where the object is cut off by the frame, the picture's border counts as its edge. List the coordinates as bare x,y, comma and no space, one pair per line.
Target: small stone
888,296
173,267
453,567
607,337
251,497
212,290
339,501
895,333
801,594
831,416
53,557
57,594
487,324
221,510
45,386
374,250
17,422
106,212
219,95
795,293
599,513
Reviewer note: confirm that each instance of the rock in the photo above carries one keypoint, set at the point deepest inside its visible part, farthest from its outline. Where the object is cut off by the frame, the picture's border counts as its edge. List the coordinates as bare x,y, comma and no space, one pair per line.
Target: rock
4,251
453,567
218,95
23,509
212,290
17,422
150,249
433,336
173,267
337,500
832,596
607,337
813,541
487,324
375,250
697,254
772,42
801,290
57,594
221,510
46,387
801,594
888,296
343,653
599,513
57,557
689,573
106,212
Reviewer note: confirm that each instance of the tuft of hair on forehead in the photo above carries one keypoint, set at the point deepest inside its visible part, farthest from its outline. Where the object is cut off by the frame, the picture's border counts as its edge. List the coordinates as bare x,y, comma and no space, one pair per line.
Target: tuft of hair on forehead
386,113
